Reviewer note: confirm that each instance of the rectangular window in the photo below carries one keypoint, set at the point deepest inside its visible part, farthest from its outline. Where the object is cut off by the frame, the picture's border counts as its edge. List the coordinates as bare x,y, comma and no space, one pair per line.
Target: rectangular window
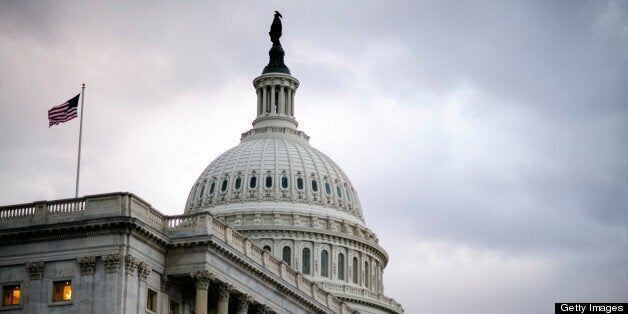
151,300
62,291
11,295
174,307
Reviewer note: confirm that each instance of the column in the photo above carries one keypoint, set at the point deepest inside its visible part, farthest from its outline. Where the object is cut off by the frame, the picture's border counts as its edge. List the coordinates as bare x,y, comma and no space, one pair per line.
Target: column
87,265
272,99
259,101
243,304
292,101
165,305
288,102
224,290
130,284
282,100
264,100
143,270
110,301
202,277
37,298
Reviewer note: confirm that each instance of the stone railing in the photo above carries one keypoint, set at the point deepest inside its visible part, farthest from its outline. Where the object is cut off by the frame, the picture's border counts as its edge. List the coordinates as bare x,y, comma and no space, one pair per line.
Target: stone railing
41,212
178,227
352,292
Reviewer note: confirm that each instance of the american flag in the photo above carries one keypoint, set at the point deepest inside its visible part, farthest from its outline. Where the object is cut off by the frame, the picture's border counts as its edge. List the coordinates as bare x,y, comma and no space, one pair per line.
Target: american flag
63,112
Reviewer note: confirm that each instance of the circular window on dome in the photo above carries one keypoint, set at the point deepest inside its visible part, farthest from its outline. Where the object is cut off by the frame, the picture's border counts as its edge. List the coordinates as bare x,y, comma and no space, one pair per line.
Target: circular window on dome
314,185
284,182
253,182
223,188
238,183
269,182
300,183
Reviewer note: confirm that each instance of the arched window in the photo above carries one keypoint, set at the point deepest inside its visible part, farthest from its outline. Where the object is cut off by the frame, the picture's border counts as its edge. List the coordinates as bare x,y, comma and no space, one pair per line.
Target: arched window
348,196
269,181
300,183
200,195
284,182
366,275
324,263
238,183
306,261
355,270
341,266
212,187
267,248
253,182
327,188
287,254
224,185
314,185
338,193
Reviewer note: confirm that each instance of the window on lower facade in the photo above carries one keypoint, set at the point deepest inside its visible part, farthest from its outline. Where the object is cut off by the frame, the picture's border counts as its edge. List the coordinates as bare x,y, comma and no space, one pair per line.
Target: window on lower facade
151,300
62,291
11,295
267,248
324,264
174,307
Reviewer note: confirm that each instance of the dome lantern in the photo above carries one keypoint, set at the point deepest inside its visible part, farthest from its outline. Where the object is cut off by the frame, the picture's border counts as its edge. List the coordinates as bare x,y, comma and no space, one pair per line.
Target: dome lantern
275,88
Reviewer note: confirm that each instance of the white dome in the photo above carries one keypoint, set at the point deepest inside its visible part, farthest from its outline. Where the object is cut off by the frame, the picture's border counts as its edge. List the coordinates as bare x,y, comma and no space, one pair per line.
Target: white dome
275,169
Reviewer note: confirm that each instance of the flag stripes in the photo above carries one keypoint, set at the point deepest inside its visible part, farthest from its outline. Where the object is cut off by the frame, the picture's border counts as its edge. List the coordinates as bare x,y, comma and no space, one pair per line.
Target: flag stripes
64,112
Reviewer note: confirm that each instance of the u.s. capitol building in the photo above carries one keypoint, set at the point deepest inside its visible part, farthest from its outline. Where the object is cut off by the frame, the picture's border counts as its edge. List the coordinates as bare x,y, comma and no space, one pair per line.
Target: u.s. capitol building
272,225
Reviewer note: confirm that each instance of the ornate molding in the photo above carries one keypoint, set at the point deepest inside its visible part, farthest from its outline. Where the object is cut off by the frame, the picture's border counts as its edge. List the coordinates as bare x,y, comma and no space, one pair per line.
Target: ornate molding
143,270
165,285
130,264
35,270
112,262
87,264
262,309
243,303
203,278
224,290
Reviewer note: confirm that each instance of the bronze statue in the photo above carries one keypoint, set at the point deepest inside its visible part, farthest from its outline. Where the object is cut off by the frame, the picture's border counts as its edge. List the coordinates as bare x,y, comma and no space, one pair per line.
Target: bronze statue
275,29
276,53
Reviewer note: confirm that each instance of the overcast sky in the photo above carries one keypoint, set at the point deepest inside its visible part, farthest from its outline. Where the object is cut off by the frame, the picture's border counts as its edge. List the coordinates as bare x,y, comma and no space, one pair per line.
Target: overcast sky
487,140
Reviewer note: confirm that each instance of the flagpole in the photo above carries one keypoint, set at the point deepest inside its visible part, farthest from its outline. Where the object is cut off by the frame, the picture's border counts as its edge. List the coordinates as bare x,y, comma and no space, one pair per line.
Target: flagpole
78,165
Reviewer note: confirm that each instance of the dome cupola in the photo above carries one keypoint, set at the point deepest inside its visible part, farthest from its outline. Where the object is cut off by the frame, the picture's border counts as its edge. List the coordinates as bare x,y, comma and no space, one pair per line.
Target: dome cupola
291,199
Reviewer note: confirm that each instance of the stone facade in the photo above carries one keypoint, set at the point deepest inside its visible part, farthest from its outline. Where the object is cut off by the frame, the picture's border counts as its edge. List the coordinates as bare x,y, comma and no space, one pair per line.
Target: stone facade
119,255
